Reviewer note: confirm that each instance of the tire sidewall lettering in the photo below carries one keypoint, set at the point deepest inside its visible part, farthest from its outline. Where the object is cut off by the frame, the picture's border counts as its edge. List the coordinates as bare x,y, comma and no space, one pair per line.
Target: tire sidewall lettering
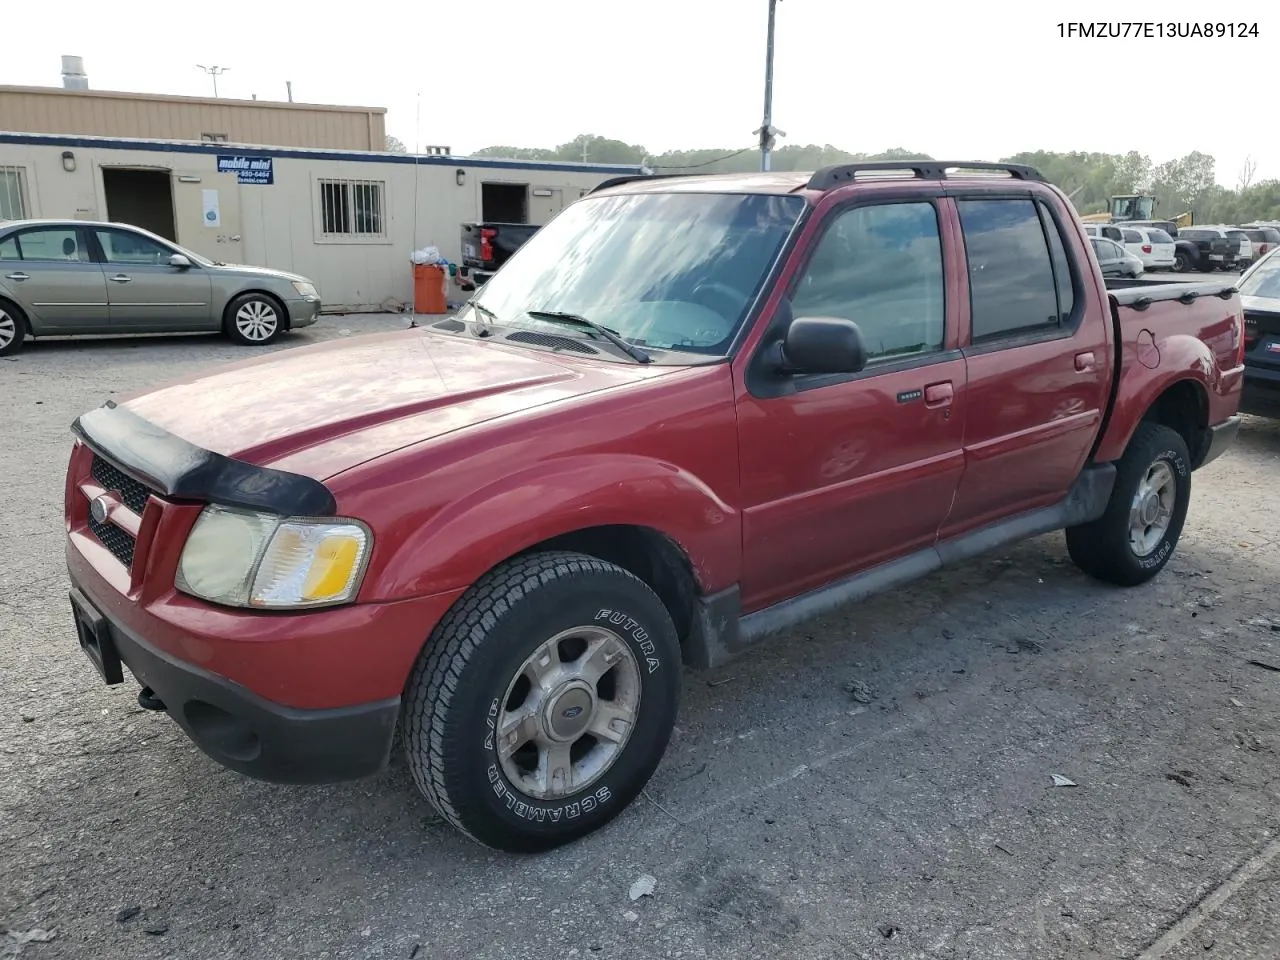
638,636
526,808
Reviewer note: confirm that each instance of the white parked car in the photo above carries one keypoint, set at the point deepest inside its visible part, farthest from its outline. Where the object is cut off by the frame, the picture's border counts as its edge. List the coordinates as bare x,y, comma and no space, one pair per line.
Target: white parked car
1153,246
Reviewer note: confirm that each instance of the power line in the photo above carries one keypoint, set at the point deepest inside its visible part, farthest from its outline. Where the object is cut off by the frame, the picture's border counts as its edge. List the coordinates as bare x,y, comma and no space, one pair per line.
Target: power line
707,163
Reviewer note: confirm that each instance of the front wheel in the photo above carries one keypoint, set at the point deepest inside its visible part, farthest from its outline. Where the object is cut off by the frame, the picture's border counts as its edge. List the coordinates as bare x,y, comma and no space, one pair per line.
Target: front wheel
543,702
254,319
13,329
1182,263
1135,537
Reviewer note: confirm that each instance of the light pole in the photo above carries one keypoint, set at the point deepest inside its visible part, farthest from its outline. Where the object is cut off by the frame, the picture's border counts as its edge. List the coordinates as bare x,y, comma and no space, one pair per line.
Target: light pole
213,72
767,131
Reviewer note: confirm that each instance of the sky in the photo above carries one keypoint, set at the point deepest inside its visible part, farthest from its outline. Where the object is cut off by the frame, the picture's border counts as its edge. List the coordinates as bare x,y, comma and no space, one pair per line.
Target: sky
969,81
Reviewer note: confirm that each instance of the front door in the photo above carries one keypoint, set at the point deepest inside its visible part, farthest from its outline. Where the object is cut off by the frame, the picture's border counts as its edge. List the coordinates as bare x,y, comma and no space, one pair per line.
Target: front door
146,294
51,275
207,210
840,473
1038,362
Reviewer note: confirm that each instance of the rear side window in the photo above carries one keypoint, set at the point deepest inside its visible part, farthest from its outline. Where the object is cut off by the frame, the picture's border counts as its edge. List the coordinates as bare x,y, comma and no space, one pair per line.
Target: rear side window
1011,278
881,267
1132,236
1159,236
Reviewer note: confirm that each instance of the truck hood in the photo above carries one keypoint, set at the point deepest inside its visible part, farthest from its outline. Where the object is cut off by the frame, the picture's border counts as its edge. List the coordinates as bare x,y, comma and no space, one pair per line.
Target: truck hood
245,270
1260,304
322,409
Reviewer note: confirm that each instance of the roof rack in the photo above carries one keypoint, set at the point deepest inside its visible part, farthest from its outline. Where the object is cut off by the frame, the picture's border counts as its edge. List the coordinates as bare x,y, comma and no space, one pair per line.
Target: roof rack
628,178
830,177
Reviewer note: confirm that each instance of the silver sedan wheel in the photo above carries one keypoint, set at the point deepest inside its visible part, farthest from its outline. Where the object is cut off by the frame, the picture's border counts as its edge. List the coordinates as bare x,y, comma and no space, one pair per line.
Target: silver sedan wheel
257,320
568,712
8,328
1152,508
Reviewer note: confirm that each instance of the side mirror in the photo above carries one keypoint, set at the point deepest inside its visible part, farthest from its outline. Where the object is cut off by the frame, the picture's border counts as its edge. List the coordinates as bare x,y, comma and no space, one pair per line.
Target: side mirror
822,345
179,261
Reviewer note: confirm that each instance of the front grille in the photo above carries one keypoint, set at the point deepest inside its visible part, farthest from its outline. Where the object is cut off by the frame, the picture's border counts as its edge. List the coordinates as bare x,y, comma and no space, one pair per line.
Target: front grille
114,539
550,340
110,478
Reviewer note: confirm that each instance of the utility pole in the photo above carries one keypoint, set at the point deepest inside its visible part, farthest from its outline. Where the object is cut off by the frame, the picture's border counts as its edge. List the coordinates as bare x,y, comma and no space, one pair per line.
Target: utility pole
213,72
767,132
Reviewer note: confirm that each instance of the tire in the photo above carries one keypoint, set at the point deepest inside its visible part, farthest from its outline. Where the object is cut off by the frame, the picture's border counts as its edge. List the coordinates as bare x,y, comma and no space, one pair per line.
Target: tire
1182,263
254,319
13,329
1105,548
473,679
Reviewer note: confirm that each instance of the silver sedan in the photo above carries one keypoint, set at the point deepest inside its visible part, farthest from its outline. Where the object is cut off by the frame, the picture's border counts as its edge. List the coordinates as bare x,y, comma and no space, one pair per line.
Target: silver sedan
64,277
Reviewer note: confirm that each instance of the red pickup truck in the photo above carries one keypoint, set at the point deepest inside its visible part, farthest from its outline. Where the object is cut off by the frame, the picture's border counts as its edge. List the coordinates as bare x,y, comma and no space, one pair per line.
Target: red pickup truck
687,414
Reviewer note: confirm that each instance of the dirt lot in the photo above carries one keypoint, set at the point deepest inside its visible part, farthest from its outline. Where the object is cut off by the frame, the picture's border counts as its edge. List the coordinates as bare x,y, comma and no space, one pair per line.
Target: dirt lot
791,818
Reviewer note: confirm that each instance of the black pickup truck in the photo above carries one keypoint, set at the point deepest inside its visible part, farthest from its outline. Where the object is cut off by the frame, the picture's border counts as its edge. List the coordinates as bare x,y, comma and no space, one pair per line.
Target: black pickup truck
487,246
1215,251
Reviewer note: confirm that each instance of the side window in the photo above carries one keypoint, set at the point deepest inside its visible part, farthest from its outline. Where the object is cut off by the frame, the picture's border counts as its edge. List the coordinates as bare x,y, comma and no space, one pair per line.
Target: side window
52,243
1062,277
121,246
1132,236
1011,283
9,249
880,266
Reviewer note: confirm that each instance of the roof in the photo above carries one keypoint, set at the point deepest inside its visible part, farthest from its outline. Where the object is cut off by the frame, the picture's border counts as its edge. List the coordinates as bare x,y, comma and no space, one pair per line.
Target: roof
196,101
310,153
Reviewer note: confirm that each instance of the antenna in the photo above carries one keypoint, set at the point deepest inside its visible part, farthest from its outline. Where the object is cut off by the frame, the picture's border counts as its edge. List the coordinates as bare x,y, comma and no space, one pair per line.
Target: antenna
288,85
213,72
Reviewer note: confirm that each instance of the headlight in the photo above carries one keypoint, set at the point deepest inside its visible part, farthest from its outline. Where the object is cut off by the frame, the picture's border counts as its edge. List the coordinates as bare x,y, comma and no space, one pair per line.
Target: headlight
246,559
305,289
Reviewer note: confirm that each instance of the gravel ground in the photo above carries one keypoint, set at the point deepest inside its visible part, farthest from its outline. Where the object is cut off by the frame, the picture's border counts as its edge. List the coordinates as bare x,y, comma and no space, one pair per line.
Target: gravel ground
913,817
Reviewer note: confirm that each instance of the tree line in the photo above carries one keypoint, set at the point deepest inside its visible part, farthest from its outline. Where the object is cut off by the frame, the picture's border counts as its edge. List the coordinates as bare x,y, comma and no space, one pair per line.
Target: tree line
1090,179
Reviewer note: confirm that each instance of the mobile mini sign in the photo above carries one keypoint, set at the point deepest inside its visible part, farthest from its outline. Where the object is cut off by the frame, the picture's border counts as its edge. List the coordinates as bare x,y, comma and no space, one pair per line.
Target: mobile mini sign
255,170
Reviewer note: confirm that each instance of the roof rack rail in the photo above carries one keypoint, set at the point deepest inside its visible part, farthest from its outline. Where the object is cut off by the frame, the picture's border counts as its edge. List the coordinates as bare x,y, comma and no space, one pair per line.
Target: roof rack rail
830,177
630,177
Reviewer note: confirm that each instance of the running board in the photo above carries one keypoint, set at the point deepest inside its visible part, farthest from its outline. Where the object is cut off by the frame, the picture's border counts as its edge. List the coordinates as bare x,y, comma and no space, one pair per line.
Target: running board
720,632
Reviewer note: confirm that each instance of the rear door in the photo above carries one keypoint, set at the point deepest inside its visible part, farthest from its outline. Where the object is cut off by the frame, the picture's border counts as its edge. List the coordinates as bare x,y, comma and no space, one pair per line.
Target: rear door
1037,360
145,293
49,272
842,472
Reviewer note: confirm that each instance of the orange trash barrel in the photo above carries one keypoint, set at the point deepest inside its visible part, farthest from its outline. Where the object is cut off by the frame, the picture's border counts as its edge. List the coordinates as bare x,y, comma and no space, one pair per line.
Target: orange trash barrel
429,288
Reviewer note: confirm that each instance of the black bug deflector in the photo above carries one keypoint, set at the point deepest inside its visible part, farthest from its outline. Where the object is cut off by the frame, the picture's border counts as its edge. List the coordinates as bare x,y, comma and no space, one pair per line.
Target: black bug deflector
175,468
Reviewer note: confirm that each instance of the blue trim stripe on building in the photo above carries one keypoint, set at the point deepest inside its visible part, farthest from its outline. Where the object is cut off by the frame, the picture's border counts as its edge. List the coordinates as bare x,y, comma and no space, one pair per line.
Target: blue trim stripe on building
299,153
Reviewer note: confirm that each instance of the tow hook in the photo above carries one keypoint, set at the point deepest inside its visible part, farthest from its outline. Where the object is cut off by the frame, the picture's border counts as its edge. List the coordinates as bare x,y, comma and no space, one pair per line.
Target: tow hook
148,700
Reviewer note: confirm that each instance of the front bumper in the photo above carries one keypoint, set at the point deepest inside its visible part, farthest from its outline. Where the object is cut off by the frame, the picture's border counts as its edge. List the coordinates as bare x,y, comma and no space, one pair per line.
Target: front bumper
304,312
308,697
235,726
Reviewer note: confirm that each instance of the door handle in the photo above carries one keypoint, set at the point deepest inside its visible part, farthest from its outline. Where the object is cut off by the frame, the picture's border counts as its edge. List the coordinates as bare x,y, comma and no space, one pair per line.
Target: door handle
235,238
120,278
18,276
939,394
1084,361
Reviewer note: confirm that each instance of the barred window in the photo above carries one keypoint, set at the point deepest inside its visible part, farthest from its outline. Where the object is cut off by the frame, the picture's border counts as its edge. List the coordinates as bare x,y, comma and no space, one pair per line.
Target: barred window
13,193
352,208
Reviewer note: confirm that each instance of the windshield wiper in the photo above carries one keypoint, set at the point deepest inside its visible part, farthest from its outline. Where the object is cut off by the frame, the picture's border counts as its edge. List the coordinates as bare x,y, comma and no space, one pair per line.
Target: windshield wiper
632,351
488,314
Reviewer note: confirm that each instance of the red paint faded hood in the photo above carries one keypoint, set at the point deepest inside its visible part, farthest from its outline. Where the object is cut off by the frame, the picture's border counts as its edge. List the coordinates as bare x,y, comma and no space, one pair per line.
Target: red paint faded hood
322,409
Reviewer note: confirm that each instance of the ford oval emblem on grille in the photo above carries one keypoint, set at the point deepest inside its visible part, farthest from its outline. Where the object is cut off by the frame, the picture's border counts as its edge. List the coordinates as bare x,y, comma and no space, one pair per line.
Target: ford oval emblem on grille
98,509
572,712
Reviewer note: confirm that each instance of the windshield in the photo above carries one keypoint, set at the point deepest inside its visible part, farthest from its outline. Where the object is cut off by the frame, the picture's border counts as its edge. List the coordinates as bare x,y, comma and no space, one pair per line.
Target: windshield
665,271
1264,281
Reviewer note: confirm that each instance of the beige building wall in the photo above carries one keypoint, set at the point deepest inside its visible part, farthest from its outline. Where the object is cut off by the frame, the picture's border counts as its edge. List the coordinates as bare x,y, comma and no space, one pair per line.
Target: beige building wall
283,225
100,113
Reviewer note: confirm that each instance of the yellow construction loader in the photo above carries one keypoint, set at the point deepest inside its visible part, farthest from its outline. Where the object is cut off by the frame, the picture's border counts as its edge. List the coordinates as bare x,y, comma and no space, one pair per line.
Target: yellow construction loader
1132,206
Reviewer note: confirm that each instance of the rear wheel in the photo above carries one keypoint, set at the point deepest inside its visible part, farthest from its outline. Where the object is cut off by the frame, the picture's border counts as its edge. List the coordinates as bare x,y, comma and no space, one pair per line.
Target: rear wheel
1182,263
543,702
13,329
254,319
1135,537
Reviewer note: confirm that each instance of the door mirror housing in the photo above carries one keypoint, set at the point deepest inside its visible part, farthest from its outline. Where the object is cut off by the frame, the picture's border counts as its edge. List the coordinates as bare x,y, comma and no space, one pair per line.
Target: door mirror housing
822,345
180,261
